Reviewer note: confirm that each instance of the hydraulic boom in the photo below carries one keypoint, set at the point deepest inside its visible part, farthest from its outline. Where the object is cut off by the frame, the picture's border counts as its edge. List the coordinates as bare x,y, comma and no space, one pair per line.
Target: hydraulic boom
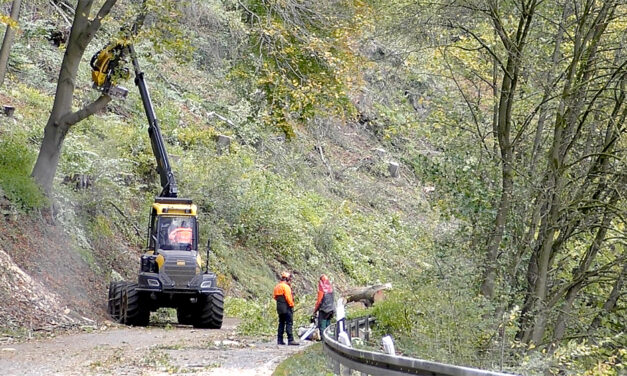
168,183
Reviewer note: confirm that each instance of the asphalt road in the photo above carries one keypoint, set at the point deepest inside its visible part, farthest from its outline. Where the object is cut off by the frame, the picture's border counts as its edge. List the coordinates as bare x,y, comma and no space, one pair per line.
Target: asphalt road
154,350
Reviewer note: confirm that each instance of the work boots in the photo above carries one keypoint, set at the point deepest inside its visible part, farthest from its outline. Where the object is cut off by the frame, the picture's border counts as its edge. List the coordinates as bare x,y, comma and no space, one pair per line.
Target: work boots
292,343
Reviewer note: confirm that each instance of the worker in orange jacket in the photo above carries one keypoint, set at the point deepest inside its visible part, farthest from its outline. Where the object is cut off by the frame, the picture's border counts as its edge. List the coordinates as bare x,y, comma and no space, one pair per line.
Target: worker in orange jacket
183,234
325,303
285,308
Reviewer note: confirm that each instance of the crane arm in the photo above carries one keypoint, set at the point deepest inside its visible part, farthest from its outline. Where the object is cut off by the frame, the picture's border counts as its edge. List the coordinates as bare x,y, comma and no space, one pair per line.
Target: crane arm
168,182
106,64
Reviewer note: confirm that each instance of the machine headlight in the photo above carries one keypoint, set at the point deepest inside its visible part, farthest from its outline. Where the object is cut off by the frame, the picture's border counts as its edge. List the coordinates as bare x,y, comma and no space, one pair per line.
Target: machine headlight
205,284
153,283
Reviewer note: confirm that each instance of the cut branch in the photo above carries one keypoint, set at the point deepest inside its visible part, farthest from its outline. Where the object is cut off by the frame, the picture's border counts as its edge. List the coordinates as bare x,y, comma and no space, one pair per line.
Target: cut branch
74,117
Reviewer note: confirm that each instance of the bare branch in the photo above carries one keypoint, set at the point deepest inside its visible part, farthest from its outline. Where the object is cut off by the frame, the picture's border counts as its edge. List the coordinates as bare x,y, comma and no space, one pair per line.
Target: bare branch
94,24
61,12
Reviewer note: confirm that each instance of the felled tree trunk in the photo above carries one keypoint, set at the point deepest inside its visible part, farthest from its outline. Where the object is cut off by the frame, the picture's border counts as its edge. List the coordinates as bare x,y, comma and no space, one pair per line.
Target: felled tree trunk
368,294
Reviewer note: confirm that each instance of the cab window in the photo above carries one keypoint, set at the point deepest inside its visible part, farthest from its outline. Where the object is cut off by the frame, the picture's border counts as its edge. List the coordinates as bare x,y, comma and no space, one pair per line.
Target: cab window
177,233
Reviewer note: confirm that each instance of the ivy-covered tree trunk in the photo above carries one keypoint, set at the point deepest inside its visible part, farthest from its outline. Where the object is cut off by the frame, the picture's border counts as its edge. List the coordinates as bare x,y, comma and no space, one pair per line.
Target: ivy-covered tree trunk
62,117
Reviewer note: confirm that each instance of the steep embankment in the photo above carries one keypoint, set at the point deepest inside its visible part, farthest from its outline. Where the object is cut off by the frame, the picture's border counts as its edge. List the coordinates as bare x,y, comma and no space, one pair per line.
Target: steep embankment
46,280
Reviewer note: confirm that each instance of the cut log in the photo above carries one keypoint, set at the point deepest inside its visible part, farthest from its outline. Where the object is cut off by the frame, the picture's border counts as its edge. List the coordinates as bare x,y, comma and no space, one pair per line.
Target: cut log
368,294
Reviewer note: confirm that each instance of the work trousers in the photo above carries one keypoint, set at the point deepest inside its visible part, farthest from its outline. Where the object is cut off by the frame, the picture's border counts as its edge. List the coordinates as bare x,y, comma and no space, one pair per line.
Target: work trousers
324,320
286,321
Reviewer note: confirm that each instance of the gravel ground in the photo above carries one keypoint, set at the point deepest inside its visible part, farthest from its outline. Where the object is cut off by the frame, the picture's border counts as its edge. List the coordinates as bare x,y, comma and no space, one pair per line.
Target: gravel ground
165,350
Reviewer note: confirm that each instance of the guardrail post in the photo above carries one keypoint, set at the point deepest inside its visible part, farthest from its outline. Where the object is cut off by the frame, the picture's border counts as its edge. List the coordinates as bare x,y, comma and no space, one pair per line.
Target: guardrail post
336,367
388,345
340,314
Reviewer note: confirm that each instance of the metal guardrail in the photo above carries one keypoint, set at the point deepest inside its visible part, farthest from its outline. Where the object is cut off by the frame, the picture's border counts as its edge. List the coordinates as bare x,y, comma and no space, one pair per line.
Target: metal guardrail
346,359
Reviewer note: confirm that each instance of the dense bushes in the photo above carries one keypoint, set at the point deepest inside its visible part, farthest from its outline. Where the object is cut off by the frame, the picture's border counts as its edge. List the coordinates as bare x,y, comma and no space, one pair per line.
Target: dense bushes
16,161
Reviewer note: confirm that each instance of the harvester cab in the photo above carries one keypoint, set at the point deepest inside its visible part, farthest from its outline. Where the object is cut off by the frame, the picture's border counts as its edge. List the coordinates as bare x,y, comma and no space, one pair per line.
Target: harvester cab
170,272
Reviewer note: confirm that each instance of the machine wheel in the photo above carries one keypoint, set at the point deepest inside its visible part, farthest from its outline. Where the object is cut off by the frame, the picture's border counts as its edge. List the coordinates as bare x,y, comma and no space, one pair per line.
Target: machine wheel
184,315
115,300
110,300
211,311
135,313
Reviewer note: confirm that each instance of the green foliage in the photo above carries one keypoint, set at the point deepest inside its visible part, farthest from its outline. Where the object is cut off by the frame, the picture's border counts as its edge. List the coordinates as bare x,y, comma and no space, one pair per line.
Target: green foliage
395,315
259,317
16,161
306,64
271,204
439,320
312,361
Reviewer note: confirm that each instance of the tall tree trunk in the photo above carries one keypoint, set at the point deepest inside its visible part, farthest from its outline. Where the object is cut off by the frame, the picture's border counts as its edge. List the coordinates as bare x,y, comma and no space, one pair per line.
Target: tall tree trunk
61,117
511,72
8,39
539,198
575,91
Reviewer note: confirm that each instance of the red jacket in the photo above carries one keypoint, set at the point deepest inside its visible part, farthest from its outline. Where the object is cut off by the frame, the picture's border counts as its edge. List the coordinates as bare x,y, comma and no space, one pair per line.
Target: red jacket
324,288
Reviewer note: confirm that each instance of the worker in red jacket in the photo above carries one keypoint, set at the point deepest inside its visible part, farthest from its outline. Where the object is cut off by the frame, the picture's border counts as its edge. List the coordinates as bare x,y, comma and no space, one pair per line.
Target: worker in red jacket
325,303
285,309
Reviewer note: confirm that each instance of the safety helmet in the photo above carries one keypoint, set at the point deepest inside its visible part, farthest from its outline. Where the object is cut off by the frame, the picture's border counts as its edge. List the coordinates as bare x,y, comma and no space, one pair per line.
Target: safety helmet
286,276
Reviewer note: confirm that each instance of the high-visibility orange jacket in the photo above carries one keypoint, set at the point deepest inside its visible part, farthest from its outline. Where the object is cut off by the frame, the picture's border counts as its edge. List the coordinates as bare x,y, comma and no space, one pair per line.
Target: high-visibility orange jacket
181,235
283,296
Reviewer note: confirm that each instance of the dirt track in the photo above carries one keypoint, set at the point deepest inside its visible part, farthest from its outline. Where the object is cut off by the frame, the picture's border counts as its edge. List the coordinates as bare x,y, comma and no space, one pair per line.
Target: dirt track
170,350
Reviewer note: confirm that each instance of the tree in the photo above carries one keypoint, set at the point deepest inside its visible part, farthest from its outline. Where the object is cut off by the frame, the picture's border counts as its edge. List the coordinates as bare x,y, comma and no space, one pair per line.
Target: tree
62,116
578,185
8,38
556,131
514,43
301,58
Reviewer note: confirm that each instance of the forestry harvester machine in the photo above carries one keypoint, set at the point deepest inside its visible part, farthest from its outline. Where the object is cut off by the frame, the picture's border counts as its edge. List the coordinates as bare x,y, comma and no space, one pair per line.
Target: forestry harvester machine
170,273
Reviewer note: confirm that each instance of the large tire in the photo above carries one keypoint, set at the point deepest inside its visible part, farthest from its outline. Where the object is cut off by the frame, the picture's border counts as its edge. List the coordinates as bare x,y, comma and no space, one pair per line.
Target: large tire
136,314
185,315
110,300
115,300
211,311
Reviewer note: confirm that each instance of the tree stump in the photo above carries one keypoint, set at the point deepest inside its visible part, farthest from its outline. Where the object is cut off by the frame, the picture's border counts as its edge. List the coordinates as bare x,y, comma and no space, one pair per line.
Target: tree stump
223,143
393,168
8,111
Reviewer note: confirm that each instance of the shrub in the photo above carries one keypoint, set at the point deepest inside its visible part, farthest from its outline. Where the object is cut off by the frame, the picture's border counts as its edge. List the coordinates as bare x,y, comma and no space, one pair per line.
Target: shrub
15,163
